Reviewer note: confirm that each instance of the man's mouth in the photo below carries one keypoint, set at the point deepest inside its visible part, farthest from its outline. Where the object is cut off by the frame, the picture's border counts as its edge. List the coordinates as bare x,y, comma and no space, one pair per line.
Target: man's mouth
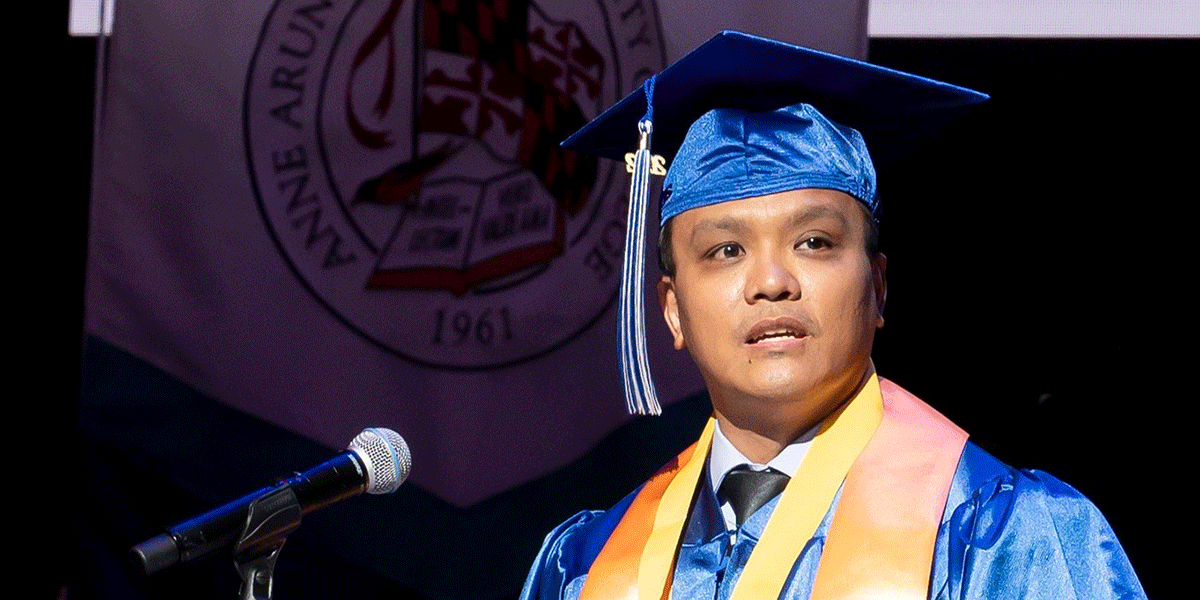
778,329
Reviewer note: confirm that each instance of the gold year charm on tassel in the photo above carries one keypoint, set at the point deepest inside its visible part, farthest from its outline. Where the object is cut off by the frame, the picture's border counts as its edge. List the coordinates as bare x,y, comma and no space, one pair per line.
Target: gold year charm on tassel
658,164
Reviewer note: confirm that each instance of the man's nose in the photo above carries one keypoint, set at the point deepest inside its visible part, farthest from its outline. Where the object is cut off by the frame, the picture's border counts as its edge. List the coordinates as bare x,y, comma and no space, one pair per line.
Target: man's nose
771,278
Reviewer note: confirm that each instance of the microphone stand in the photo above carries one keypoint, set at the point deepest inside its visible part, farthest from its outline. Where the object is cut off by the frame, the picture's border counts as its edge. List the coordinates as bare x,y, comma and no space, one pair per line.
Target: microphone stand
271,518
376,462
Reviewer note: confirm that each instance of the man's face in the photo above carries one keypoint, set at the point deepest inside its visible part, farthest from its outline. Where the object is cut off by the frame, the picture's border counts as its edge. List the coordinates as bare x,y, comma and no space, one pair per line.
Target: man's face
777,300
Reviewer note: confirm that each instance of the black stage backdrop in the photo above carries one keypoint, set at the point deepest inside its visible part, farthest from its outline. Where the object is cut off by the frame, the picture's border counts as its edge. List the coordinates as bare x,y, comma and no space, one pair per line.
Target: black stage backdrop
1047,261
1042,269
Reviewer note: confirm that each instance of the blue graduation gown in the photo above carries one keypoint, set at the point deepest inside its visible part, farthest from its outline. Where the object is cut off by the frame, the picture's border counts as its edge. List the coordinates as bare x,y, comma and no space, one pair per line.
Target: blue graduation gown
1005,533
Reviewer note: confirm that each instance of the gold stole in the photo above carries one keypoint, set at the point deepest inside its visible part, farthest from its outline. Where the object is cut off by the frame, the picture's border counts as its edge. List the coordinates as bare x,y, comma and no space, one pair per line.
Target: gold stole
897,457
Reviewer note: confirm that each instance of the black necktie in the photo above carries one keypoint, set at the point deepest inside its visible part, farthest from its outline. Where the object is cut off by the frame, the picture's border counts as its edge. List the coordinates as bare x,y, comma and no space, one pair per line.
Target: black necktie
746,490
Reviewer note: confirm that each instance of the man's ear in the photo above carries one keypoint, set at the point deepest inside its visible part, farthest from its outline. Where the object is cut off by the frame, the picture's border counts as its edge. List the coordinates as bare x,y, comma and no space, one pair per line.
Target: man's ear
879,280
670,309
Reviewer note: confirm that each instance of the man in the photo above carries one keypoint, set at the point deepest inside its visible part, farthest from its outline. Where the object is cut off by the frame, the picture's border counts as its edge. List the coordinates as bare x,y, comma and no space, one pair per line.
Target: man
815,478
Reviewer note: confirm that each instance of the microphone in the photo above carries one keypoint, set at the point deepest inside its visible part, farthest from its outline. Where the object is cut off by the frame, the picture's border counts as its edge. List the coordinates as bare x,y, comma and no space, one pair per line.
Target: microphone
376,462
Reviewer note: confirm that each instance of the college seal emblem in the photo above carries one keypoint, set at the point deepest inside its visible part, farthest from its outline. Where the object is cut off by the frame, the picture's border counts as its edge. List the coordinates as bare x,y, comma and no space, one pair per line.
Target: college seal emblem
405,158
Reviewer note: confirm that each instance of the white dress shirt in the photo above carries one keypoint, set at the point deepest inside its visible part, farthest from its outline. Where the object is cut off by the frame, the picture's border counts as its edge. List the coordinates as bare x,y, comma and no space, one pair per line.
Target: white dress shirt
724,457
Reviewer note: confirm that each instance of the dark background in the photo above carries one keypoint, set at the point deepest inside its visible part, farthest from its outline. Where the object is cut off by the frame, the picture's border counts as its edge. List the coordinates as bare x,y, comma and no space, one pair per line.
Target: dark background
1040,255
1040,252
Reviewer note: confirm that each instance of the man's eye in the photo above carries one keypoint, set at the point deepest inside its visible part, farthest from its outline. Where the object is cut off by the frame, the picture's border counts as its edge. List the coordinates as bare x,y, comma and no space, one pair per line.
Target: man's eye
814,243
730,250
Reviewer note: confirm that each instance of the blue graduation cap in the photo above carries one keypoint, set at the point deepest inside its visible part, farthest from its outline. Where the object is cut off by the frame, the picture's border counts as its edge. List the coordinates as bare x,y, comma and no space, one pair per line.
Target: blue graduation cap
744,116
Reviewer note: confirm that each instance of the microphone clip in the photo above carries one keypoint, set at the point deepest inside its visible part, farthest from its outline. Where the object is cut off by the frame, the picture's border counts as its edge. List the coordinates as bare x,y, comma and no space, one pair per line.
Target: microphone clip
270,519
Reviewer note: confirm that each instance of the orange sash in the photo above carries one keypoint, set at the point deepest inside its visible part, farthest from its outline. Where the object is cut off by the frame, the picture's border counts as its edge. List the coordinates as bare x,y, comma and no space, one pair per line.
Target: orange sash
651,529
897,457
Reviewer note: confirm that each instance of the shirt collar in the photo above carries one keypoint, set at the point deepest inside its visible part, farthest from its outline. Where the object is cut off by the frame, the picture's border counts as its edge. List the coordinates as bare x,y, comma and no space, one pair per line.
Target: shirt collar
724,456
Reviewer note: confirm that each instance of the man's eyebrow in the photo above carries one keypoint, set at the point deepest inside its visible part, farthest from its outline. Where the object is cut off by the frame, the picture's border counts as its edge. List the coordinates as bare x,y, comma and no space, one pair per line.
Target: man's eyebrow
726,224
734,225
819,211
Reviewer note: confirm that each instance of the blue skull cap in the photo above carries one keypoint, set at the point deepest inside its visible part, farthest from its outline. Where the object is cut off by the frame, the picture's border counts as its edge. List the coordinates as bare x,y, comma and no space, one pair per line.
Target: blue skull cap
730,154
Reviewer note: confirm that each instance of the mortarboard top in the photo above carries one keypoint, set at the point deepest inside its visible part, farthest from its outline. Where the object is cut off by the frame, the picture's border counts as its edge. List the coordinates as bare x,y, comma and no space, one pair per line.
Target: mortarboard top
893,110
753,117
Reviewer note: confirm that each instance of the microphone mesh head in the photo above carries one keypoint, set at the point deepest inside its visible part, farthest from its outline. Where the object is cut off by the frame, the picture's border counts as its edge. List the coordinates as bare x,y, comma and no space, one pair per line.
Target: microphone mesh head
385,455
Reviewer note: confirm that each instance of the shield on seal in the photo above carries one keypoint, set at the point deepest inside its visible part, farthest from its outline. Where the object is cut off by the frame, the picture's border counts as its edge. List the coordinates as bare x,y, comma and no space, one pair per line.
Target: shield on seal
481,188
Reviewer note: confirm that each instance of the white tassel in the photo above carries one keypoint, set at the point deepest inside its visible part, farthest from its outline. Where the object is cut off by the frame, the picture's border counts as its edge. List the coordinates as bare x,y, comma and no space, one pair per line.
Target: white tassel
640,396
